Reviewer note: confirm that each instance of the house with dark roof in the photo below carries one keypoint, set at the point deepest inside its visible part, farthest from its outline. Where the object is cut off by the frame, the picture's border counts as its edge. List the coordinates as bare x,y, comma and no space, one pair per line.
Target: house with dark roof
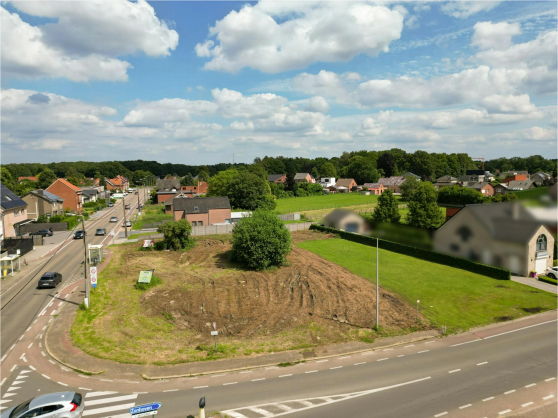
14,212
71,194
167,189
394,183
539,178
304,177
519,185
504,235
277,178
40,202
485,188
202,211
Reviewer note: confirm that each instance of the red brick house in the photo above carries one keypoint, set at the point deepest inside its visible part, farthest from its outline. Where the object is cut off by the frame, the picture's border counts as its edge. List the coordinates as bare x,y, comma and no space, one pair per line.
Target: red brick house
517,177
277,178
485,188
375,188
201,188
345,185
119,183
202,211
304,177
71,194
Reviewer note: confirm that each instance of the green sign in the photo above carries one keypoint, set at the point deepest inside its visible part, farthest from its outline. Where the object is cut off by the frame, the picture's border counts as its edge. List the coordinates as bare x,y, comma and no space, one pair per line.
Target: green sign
145,276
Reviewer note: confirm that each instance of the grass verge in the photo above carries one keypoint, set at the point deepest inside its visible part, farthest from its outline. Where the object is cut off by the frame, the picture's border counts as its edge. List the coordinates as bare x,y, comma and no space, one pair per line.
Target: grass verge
455,298
309,203
151,213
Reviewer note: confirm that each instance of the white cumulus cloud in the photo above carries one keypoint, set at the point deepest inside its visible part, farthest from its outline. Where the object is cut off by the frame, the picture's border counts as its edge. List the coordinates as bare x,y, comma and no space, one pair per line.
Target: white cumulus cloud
490,35
464,8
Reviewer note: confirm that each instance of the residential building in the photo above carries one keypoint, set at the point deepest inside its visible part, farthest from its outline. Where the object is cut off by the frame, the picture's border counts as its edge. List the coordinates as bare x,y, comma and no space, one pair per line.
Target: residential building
513,173
485,188
503,235
277,178
375,188
202,211
345,185
14,212
90,195
94,182
394,182
540,178
345,220
304,178
119,183
515,177
40,202
166,189
30,178
71,194
518,185
447,179
408,173
200,188
501,188
439,186
327,182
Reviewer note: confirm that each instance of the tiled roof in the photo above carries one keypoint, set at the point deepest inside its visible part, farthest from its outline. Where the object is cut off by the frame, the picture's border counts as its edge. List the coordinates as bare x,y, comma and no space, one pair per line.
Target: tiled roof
67,183
301,176
392,181
9,200
373,185
203,204
274,177
344,183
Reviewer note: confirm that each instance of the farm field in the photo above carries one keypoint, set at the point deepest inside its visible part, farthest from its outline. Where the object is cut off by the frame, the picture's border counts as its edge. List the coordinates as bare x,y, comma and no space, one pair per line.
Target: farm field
150,213
456,298
313,203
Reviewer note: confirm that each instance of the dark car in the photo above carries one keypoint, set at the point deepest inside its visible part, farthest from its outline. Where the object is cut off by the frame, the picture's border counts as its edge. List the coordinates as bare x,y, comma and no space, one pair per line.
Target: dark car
51,279
79,234
101,231
43,232
127,206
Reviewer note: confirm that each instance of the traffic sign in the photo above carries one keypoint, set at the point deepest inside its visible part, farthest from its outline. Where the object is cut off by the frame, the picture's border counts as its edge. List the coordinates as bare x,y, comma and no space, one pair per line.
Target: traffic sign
214,332
93,275
145,414
143,410
215,325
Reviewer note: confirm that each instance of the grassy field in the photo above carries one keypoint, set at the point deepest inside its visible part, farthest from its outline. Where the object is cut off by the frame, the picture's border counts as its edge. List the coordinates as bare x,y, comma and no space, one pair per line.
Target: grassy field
448,296
310,203
150,214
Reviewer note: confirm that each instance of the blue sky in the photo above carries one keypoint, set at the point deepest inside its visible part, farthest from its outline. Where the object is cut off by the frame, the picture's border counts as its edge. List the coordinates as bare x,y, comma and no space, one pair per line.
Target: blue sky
195,82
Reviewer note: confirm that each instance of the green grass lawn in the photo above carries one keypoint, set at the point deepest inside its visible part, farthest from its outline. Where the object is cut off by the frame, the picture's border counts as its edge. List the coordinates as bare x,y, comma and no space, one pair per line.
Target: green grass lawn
150,214
298,204
448,296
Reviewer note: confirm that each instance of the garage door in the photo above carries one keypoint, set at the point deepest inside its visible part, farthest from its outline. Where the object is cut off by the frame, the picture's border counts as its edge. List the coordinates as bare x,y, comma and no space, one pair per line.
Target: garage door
352,227
540,265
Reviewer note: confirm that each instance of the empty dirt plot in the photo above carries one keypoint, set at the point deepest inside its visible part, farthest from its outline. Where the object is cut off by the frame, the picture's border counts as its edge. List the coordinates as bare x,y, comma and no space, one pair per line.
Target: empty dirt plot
308,303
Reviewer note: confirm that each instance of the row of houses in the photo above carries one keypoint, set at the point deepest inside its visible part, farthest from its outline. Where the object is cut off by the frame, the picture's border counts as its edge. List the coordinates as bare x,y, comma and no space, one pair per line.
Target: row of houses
168,189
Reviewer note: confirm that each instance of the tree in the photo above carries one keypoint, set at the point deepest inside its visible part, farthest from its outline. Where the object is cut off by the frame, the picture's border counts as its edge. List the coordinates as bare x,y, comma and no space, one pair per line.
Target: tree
260,241
387,209
267,202
187,180
422,163
507,197
25,187
246,191
455,195
73,180
328,170
203,175
7,179
176,235
42,219
220,183
408,187
46,178
424,212
258,169
386,162
362,170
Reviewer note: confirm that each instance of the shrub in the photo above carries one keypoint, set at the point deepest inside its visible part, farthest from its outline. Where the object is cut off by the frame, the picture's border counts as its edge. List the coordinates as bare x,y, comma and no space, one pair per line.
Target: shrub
260,241
42,219
549,280
145,286
448,260
176,235
56,219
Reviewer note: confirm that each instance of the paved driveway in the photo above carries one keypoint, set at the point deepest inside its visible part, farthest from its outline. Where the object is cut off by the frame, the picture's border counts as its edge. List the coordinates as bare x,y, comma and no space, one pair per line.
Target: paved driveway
529,281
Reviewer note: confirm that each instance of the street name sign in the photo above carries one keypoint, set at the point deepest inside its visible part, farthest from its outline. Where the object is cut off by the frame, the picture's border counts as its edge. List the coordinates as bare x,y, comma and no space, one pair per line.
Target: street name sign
145,276
93,275
144,410
214,332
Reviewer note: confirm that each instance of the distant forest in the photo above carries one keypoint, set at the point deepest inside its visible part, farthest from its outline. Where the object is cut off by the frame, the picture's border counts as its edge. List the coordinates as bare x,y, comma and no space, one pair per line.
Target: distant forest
366,164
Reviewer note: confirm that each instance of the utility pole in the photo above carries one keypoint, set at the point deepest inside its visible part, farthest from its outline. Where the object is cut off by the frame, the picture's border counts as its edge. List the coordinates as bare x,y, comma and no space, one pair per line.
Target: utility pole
85,265
377,286
124,207
139,210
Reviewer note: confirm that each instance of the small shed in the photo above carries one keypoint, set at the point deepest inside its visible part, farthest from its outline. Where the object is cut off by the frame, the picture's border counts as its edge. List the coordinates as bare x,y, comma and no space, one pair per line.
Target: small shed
9,264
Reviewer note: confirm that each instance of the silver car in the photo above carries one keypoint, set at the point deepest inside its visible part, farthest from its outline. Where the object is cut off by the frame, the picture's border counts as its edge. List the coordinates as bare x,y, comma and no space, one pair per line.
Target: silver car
59,405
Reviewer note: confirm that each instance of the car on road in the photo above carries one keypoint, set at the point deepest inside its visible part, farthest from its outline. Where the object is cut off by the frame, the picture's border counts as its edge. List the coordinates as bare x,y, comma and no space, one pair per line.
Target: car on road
127,206
51,279
79,234
59,405
43,232
135,192
114,219
101,231
110,205
128,224
552,272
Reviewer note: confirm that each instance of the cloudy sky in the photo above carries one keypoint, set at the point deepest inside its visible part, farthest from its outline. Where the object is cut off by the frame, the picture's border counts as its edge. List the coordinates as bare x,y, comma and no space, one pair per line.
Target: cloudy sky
195,83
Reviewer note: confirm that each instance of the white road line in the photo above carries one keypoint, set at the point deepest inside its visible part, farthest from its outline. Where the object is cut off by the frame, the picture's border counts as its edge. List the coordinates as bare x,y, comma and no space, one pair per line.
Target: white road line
338,367
13,368
110,400
31,367
423,351
52,361
271,368
12,347
200,387
527,404
84,388
171,390
466,406
441,414
81,375
3,380
548,380
509,391
467,342
231,383
504,412
30,345
322,361
106,380
382,359
531,385
14,388
367,353
286,375
261,411
401,355
341,358
28,329
236,414
44,327
312,371
430,342
93,394
108,409
63,384
488,399
388,349
480,364
218,375
256,380
454,371
548,397
45,376
249,371
520,329
43,353
410,345
3,357
40,344
358,364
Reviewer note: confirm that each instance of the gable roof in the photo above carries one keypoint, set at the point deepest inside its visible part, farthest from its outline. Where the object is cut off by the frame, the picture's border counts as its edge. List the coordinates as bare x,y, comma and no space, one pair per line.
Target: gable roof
446,179
48,196
519,184
373,185
66,183
90,192
9,199
392,181
479,186
32,178
168,184
204,204
302,176
345,183
408,173
274,177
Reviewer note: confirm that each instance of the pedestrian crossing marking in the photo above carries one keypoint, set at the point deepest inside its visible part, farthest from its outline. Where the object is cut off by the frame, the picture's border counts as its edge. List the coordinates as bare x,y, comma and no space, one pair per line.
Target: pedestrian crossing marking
25,371
110,400
13,388
108,409
92,394
7,395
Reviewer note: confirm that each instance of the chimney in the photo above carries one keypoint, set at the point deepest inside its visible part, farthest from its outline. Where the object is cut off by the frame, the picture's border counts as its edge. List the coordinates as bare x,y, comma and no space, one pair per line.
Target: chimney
41,192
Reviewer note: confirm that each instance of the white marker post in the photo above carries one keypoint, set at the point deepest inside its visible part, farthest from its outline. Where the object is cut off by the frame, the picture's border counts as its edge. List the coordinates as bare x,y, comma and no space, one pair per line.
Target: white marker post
418,300
215,333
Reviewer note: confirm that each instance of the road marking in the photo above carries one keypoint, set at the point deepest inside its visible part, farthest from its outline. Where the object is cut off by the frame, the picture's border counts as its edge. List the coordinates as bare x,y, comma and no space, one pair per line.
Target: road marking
338,367
440,415
548,380
520,329
411,345
322,361
84,389
12,347
423,351
106,380
14,388
467,342
401,355
504,412
261,411
527,404
480,364
256,380
13,368
231,383
284,407
273,367
93,394
341,358
108,409
80,375
531,385
27,329
388,349
218,375
4,401
236,415
367,353
171,390
44,327
548,397
200,387
286,375
110,400
31,367
382,359
249,371
3,357
430,342
51,361
21,338
43,353
454,371
131,381
465,406
488,399
509,391
63,384
312,371
30,345
357,364
3,380
45,376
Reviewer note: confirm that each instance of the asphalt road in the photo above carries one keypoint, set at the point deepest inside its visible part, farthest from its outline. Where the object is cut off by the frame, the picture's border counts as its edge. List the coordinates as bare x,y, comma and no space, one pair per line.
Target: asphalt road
22,302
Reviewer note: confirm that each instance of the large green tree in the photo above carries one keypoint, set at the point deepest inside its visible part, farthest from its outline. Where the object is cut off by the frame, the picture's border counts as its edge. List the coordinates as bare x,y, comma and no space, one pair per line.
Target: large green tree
408,187
46,178
188,180
7,179
424,211
456,195
220,183
387,209
386,162
362,170
247,190
328,170
176,235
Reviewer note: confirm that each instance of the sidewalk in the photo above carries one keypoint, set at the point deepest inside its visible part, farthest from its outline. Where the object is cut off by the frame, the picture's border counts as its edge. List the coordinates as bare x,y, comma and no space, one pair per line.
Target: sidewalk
532,282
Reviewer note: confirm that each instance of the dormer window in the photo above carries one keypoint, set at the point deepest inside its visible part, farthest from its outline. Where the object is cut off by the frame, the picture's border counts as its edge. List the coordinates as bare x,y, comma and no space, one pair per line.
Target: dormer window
196,209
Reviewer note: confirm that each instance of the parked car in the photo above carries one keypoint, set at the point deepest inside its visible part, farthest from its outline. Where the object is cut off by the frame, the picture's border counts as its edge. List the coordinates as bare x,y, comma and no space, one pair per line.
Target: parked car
552,272
127,206
113,219
80,234
59,405
110,205
128,224
101,231
43,232
51,279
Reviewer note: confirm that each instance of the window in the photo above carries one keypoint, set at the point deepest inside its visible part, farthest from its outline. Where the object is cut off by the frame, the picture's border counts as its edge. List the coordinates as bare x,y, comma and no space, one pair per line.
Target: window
194,223
196,209
50,408
200,223
541,243
465,233
16,212
33,413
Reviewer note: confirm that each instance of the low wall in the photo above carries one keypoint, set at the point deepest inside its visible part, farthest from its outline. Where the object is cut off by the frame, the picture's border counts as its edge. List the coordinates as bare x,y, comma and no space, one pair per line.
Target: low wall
290,217
156,224
34,227
11,245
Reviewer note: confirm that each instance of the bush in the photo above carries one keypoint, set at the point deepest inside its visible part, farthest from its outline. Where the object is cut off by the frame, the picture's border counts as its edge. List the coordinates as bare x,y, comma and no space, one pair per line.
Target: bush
260,241
549,280
176,235
145,286
42,219
448,260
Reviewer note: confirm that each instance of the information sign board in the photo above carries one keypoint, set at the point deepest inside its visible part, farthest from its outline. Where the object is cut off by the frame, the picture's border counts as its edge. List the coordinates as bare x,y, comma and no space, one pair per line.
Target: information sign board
145,276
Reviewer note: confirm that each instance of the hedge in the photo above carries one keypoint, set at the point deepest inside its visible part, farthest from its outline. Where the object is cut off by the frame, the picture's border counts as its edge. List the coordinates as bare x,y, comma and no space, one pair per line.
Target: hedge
448,260
548,280
531,193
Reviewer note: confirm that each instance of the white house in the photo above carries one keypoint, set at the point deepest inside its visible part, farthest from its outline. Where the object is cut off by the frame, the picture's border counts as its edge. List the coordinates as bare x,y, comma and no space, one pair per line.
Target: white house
327,182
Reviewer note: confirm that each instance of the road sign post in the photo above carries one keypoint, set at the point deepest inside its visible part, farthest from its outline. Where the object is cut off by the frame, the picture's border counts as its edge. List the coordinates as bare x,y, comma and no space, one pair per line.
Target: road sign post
417,308
145,410
215,333
93,275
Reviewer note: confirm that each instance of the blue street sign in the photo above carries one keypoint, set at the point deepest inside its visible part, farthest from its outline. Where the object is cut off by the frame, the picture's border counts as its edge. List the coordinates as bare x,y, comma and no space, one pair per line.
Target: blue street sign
145,408
94,285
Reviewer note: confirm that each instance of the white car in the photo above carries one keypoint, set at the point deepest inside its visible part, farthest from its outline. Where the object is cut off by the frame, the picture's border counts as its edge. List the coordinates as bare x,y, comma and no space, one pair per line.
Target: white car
51,405
552,272
128,224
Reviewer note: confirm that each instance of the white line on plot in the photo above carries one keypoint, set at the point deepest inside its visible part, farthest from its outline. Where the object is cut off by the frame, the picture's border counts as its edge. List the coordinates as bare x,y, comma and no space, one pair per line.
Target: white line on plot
312,371
255,380
31,367
231,383
367,353
52,362
548,380
423,351
286,375
531,385
466,406
35,320
322,361
27,329
30,345
520,329
401,355
3,357
249,371
480,364
527,404
3,380
430,342
106,380
43,353
341,358
200,387
171,390
218,375
45,376
548,397
504,412
440,415
80,375
467,342
338,367
488,399
13,368
12,347
41,345
63,384
509,391
84,388
357,364
410,345
21,338
453,371
382,359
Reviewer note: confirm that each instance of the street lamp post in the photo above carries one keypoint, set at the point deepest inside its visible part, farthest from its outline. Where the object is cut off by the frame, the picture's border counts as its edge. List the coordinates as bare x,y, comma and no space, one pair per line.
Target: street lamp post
86,301
377,286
